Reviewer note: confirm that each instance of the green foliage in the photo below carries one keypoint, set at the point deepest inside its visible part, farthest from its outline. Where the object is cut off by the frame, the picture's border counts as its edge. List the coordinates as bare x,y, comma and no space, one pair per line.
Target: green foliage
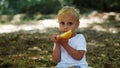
102,5
29,6
52,6
43,6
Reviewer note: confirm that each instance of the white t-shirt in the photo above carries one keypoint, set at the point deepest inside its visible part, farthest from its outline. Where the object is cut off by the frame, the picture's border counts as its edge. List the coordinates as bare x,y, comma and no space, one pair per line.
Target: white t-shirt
77,42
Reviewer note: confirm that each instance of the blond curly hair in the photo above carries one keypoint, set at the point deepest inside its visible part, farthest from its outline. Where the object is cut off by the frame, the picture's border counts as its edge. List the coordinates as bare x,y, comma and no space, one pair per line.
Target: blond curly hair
69,10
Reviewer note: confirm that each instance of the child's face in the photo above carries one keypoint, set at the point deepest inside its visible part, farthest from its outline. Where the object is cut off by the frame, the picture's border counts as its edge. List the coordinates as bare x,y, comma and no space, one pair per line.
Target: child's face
68,22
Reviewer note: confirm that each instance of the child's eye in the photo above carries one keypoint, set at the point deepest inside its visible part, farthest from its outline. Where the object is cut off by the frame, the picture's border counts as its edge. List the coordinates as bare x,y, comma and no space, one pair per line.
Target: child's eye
62,23
70,23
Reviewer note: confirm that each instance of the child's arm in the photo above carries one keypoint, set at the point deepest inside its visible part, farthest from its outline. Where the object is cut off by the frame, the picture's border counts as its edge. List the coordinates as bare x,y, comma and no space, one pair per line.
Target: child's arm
56,55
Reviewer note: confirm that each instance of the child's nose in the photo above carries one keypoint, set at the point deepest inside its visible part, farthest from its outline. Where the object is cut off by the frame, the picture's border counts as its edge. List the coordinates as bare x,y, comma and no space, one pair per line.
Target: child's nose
66,26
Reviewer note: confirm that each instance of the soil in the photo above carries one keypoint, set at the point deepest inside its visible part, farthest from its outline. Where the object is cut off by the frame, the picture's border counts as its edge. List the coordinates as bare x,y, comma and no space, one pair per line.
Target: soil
33,48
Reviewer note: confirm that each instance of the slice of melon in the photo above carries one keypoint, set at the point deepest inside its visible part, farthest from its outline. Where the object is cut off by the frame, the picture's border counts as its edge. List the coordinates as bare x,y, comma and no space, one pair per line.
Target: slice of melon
66,35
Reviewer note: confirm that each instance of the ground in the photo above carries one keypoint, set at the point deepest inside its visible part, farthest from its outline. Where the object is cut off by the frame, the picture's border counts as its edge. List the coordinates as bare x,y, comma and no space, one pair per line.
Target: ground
29,45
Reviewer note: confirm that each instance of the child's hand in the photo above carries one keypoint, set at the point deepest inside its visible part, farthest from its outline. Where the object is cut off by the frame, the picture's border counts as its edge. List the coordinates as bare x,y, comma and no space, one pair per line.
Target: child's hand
63,42
57,39
54,38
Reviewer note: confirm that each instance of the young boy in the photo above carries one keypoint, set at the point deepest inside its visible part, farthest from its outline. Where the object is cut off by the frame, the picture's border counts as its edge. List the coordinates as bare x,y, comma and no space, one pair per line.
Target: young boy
72,52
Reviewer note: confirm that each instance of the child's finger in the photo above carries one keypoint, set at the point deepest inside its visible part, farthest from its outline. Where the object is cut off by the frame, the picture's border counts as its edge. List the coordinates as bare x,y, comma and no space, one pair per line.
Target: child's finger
54,37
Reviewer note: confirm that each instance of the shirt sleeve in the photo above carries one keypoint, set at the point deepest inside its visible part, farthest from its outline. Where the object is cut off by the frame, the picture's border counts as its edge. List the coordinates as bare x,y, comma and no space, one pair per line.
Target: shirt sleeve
81,43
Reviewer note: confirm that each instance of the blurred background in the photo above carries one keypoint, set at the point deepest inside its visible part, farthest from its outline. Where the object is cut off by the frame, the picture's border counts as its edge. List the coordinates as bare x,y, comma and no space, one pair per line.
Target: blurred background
26,27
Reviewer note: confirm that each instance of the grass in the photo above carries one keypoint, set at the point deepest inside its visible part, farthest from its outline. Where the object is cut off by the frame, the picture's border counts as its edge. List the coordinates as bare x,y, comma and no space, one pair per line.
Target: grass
33,49
27,49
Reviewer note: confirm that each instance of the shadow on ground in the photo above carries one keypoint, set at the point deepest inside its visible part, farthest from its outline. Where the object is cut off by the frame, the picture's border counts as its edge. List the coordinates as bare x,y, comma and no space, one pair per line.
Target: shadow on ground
30,49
